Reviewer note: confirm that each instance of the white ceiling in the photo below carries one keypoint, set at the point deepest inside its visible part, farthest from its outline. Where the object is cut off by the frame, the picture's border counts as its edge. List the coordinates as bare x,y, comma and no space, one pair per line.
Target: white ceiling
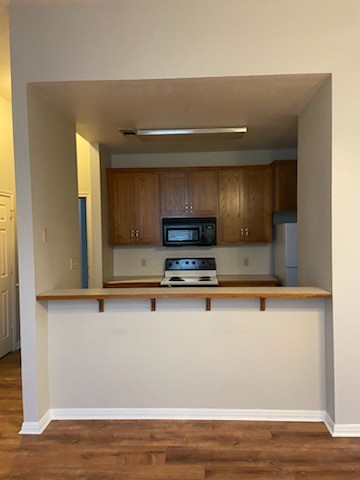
268,105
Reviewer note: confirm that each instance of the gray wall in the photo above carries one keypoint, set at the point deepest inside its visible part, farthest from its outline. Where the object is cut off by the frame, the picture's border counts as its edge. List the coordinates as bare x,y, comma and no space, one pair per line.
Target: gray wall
314,212
185,39
234,357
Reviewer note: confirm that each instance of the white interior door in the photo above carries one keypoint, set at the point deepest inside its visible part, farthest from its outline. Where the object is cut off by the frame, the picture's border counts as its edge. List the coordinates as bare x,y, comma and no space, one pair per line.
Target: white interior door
6,275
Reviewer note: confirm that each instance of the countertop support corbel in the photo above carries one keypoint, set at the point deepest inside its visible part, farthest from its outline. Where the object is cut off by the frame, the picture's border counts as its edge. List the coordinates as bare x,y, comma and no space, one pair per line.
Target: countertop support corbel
101,304
208,304
262,304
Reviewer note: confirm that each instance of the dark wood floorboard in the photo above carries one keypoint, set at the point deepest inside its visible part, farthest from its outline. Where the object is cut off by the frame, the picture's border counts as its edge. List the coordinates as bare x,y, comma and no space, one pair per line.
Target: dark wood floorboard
167,450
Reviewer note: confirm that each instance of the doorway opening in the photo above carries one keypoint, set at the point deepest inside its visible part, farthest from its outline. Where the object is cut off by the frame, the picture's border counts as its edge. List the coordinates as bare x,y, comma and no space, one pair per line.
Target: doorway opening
8,328
83,243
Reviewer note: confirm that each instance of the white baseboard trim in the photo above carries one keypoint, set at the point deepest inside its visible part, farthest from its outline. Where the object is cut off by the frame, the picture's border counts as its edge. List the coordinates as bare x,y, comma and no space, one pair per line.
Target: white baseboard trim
36,428
329,423
342,430
336,430
186,414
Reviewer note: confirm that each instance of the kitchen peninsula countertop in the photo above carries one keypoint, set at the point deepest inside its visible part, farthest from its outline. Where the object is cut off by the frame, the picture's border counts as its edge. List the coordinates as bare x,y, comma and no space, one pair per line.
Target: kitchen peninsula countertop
138,281
248,281
142,281
206,293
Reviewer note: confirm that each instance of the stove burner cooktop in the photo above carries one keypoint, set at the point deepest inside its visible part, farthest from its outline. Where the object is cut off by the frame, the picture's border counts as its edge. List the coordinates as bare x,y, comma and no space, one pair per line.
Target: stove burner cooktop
190,272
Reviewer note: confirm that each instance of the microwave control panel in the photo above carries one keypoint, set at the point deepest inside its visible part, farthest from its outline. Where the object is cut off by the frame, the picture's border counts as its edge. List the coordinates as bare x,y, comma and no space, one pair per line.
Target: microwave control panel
208,232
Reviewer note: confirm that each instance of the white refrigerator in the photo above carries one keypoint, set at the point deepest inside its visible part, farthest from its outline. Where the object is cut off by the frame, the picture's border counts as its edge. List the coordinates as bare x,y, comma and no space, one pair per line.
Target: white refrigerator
286,254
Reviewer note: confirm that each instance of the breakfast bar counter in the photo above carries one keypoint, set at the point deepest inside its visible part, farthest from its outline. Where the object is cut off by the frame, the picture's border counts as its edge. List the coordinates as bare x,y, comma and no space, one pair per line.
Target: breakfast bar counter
186,352
206,293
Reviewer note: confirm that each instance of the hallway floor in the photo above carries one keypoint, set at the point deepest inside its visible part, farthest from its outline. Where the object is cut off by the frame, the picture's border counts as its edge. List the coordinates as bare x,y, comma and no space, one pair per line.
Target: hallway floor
166,450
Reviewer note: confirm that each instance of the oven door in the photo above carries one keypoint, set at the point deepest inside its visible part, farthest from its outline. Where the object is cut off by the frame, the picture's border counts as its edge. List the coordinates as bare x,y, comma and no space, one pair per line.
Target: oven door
181,235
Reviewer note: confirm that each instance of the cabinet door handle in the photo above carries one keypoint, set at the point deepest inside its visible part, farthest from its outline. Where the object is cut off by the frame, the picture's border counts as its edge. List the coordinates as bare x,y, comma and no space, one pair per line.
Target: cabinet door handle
246,232
132,233
186,207
242,232
137,233
191,206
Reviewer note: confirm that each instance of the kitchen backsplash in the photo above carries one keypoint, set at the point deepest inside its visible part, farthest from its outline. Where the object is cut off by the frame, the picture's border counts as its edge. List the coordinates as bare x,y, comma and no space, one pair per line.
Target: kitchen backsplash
246,259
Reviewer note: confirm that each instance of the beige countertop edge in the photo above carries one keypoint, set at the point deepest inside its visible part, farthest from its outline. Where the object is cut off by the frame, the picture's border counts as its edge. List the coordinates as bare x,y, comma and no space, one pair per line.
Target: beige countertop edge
158,278
185,292
134,279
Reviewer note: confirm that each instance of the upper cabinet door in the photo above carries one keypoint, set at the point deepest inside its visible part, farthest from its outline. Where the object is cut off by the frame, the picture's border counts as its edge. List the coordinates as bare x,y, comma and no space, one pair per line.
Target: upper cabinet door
173,187
147,223
257,204
121,208
231,206
245,205
284,185
203,192
189,193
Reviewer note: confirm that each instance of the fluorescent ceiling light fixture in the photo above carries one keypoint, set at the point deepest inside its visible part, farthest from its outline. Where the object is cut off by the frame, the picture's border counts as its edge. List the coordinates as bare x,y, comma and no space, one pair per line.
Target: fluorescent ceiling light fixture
142,132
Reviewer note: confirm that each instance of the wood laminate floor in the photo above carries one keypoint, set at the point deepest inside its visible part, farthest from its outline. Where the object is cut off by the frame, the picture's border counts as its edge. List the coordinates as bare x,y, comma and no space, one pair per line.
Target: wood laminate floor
167,450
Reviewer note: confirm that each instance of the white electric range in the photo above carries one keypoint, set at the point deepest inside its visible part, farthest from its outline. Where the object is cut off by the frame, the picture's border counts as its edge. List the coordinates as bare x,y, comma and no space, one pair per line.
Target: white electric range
190,272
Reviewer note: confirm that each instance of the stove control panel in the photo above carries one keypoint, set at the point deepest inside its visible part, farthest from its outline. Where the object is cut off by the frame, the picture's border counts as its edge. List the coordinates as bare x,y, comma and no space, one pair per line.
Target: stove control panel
190,264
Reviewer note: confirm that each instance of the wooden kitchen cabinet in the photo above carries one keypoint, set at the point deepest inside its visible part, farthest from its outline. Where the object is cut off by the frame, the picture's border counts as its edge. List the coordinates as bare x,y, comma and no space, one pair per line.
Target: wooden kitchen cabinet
245,205
121,207
231,206
284,178
133,202
203,192
189,192
240,198
173,188
257,205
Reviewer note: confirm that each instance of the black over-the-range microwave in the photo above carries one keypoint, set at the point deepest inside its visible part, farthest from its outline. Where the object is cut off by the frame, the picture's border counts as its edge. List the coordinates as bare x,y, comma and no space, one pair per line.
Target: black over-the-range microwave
178,232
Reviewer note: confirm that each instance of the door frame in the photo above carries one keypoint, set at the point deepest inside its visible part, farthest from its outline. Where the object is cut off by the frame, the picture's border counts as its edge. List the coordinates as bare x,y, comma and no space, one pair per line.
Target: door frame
15,325
87,195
